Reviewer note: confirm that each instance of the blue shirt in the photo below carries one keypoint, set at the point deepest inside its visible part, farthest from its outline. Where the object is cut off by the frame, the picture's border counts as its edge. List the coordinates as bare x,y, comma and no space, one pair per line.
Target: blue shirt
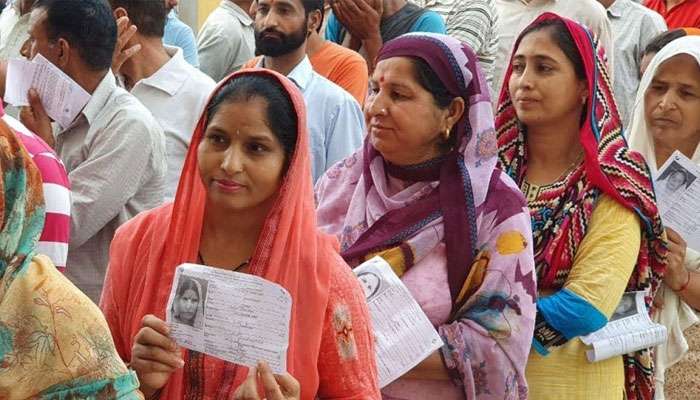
178,34
428,22
334,118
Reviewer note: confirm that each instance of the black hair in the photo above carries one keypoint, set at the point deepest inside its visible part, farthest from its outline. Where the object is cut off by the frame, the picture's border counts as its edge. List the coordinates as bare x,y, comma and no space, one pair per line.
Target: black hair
661,40
562,37
314,5
281,115
87,25
148,15
188,284
428,80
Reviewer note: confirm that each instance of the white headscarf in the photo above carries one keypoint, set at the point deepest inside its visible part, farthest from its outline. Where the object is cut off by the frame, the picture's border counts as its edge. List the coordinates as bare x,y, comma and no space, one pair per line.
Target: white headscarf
676,315
640,139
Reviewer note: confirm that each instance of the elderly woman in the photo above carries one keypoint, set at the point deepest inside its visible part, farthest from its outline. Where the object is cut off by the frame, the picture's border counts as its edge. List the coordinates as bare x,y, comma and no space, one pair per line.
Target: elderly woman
244,203
596,228
666,119
54,342
424,193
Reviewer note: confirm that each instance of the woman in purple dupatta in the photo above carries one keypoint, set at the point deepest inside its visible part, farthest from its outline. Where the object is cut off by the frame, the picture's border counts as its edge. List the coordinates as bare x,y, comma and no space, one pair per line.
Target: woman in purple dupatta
424,193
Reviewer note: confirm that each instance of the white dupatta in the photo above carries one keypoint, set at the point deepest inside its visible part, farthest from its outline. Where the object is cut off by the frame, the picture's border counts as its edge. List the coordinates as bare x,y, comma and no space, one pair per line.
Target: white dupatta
676,315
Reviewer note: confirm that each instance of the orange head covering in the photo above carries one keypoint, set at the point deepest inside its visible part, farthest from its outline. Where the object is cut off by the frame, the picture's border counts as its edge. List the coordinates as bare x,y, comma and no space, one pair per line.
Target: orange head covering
692,31
290,251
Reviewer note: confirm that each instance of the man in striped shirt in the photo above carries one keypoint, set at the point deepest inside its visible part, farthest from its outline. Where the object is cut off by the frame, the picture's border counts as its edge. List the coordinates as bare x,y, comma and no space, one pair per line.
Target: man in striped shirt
473,22
56,234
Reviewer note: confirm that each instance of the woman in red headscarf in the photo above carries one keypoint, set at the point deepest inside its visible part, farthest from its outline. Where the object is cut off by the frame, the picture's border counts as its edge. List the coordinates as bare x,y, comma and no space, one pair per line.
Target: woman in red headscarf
596,228
244,203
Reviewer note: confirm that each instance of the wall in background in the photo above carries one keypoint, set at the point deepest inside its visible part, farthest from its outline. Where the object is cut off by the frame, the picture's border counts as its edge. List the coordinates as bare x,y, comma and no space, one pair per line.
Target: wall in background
194,12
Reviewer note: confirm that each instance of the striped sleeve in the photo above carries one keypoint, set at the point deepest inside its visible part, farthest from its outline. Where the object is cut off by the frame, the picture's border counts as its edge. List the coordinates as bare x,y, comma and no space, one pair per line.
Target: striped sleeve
57,196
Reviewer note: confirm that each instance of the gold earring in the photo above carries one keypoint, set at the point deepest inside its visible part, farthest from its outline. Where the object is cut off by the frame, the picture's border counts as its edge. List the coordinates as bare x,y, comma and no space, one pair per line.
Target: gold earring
447,133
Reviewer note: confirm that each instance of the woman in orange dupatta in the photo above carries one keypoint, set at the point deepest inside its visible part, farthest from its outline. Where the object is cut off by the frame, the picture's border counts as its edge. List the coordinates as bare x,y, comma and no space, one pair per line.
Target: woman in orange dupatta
219,208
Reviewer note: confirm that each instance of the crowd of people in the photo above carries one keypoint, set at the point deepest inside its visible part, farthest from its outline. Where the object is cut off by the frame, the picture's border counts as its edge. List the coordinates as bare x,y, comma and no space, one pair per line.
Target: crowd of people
499,155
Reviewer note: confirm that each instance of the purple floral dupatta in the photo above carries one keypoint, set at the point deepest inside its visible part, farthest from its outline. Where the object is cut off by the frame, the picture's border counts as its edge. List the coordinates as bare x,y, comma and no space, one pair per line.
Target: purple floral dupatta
443,194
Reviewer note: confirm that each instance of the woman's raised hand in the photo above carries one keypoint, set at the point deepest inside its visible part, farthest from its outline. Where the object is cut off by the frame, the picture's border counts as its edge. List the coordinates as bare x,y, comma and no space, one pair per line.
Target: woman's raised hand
277,387
155,355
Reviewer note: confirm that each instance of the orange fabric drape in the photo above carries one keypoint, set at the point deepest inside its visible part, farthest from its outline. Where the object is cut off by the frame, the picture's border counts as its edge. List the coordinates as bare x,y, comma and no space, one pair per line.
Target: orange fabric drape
290,251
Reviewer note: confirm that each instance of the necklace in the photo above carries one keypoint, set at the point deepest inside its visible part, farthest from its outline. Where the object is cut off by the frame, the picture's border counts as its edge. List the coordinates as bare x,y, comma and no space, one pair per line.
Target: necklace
241,265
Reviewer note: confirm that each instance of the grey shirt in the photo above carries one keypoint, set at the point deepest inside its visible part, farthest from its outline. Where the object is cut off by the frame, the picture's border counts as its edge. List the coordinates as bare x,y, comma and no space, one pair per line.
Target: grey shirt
226,41
474,22
633,27
114,153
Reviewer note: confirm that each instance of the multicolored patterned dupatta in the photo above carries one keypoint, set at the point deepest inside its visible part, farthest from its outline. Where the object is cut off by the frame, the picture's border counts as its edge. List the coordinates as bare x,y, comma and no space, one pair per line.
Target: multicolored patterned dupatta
561,214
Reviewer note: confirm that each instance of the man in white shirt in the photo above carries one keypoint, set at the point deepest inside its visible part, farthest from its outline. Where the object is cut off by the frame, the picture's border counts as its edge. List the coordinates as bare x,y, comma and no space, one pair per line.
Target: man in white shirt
173,91
516,15
334,117
634,26
114,151
225,41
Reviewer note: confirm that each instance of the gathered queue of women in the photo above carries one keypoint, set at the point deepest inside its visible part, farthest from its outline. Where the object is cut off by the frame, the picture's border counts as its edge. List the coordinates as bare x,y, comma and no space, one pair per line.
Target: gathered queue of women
516,233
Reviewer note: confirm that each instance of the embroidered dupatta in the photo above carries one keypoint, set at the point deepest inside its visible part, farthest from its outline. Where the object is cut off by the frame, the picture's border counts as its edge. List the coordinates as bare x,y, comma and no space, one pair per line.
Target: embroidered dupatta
562,212
54,342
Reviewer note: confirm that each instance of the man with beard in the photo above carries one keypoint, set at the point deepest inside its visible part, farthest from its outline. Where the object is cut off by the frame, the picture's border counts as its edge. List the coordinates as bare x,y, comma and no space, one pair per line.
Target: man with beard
178,34
334,118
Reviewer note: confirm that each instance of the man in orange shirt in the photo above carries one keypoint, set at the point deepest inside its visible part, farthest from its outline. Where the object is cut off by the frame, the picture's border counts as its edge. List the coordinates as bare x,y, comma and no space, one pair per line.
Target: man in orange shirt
340,65
677,13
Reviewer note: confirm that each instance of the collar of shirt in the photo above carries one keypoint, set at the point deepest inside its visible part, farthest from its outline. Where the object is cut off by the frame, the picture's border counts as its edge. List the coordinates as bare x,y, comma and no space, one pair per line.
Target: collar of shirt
236,11
171,76
301,75
100,96
618,8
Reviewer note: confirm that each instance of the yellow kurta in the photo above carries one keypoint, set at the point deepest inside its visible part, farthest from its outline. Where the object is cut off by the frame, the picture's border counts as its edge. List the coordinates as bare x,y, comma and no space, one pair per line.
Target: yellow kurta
602,267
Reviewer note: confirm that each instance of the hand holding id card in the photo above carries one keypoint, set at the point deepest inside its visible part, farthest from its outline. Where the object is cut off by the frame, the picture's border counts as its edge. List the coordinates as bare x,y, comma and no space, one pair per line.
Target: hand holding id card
239,318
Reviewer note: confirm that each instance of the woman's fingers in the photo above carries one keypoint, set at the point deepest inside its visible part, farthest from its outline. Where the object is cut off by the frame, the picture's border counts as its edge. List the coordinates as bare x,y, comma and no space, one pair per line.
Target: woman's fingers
155,323
249,389
272,389
149,337
158,354
675,238
278,387
144,366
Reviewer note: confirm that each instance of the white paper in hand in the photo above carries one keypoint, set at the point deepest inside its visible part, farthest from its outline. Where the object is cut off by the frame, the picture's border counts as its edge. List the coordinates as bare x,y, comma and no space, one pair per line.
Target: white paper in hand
403,334
678,195
62,98
240,318
629,329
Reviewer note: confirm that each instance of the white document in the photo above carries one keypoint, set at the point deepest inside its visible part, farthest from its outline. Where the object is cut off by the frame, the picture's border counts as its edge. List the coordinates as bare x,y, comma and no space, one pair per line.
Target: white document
630,329
678,195
240,318
403,334
62,98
